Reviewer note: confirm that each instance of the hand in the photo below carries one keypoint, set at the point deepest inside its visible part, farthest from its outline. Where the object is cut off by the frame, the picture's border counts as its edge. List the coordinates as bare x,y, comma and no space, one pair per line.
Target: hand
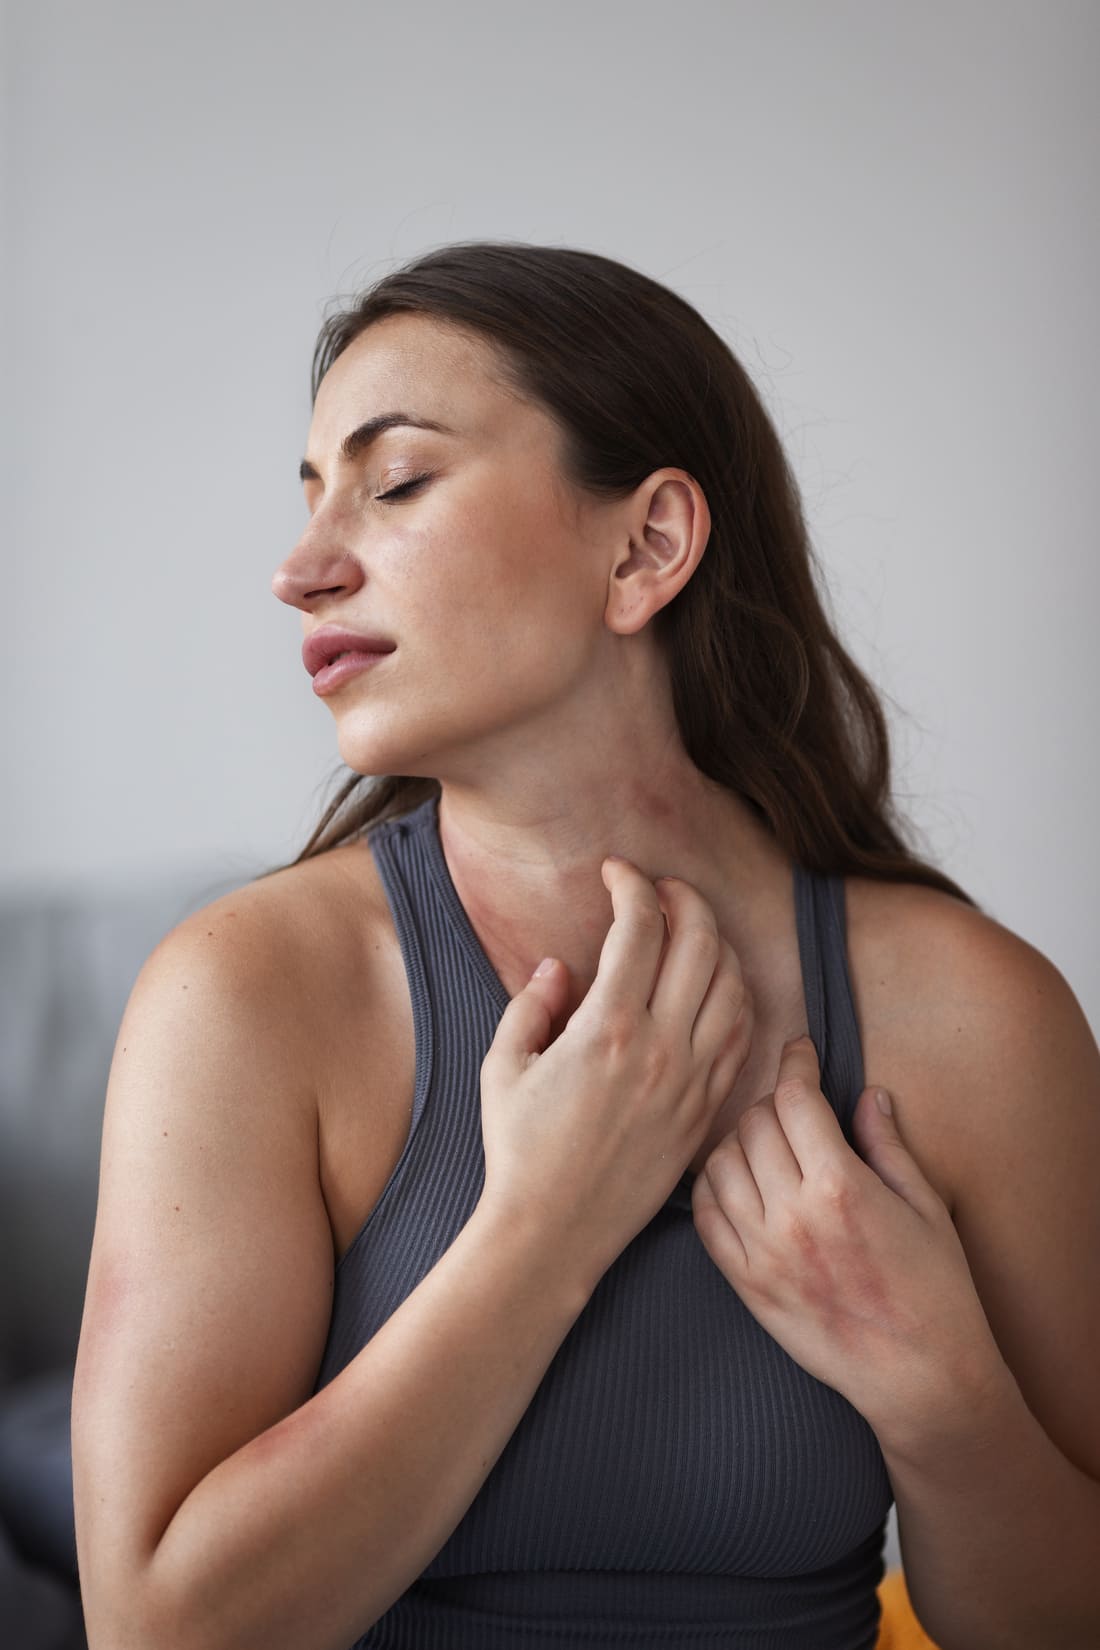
853,1266
589,1135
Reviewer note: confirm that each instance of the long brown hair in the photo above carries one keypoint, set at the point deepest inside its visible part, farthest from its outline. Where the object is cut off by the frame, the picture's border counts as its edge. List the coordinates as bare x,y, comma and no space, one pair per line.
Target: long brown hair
768,702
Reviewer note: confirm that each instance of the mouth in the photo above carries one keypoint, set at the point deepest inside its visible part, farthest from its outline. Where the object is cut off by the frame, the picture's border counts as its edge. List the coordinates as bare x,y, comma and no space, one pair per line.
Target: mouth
331,643
343,667
333,655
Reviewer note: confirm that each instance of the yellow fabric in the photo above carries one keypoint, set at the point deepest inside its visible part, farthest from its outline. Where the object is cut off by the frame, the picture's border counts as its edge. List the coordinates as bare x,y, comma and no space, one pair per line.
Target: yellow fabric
899,1629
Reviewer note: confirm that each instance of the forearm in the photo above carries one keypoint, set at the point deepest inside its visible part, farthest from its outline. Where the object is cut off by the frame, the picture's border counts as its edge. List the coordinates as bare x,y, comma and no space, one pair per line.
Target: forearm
1000,1533
308,1533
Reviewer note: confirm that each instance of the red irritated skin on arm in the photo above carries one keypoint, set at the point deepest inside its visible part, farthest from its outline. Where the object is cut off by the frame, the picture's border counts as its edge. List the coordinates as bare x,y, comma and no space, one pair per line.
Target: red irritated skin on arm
967,1336
220,1506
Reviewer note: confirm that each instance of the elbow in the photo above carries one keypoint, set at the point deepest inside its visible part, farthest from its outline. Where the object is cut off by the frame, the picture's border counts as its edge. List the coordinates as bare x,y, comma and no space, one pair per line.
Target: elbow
126,1618
128,1607
121,1619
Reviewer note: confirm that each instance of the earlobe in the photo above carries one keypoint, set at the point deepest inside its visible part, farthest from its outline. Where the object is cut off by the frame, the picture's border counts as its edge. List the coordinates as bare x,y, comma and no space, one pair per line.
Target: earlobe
665,545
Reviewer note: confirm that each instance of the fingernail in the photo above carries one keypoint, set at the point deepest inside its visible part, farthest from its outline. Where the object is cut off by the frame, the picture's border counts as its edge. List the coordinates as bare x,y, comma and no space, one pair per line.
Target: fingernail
882,1100
544,967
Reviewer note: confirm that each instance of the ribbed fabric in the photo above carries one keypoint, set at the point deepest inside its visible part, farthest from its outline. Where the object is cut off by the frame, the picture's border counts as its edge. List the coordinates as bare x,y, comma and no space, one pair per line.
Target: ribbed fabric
677,1478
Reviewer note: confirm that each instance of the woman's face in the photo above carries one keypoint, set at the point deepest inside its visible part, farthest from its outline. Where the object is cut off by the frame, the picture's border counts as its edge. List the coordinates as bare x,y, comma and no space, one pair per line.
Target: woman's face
488,578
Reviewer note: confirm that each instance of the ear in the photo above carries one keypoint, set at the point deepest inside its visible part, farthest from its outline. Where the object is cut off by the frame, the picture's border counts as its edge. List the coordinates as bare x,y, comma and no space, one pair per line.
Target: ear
667,528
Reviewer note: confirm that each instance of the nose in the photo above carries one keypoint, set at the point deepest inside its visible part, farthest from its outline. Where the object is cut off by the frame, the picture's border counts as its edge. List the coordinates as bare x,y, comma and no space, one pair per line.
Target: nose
315,571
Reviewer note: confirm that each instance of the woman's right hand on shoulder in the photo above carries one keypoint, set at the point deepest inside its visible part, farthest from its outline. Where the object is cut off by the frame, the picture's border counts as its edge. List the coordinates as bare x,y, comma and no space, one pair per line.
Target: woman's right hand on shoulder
589,1136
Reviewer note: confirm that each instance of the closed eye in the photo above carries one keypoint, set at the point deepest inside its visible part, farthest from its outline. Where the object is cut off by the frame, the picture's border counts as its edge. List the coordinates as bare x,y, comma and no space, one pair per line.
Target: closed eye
405,487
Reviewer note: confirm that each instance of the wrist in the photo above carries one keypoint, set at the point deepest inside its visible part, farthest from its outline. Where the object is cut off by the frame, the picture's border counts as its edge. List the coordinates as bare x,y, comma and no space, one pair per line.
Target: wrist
962,1411
545,1261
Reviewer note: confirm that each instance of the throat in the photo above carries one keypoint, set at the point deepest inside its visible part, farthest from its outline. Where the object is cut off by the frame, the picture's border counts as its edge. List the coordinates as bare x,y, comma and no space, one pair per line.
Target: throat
526,898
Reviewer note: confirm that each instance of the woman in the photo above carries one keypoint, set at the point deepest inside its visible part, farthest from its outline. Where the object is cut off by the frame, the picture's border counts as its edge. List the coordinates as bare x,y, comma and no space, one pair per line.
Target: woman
501,1242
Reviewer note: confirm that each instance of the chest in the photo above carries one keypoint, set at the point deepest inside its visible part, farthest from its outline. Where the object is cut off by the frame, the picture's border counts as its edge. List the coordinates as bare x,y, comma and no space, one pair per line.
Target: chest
366,1096
670,1433
368,1077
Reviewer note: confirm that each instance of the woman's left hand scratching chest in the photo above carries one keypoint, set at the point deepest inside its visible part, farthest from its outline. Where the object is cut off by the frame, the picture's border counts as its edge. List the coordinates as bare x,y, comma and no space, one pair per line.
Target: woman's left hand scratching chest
851,1262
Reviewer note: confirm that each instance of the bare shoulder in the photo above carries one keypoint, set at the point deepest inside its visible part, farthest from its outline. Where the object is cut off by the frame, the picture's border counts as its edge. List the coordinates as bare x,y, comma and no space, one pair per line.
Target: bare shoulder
962,1019
934,974
288,938
914,947
298,978
229,1043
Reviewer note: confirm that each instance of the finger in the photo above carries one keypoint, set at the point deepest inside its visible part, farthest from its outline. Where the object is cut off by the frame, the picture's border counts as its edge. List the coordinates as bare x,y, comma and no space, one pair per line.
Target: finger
722,1035
724,1008
719,1236
631,950
732,1181
524,1027
882,1148
731,1060
810,1124
691,956
768,1152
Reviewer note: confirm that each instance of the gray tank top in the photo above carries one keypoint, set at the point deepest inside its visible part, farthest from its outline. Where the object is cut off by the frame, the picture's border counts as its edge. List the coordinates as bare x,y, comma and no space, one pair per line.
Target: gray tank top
677,1478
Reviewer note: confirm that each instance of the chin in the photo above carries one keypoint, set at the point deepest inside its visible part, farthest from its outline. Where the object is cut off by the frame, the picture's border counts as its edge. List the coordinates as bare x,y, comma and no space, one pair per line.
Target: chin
371,753
418,740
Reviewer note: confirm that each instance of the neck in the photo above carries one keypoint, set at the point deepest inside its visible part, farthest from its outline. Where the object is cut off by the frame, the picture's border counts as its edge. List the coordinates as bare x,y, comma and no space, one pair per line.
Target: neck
525,856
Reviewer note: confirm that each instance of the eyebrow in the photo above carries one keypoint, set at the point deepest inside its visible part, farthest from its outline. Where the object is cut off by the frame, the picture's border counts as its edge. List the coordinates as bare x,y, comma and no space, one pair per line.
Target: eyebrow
354,445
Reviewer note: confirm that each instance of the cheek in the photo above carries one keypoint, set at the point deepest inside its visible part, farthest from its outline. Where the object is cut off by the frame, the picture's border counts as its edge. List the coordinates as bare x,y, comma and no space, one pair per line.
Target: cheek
507,598
540,629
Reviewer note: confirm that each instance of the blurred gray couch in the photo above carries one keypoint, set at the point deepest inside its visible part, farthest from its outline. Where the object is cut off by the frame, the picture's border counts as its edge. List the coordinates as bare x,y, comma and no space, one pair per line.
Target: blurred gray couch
67,963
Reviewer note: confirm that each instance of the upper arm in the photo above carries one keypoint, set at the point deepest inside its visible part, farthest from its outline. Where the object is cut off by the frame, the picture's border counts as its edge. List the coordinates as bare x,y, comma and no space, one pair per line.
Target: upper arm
1004,1095
1027,1199
210,1280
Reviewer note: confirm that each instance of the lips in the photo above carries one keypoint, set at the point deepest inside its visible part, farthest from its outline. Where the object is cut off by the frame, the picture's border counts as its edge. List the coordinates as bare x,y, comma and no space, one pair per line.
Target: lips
327,643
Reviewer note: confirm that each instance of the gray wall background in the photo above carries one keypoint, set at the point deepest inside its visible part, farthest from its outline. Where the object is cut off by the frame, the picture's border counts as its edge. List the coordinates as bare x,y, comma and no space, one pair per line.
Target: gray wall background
888,210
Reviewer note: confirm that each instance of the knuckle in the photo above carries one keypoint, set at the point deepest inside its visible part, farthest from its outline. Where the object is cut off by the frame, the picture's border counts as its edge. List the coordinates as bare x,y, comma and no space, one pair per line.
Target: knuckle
691,909
694,898
696,905
701,939
656,1062
798,1233
751,1118
615,1031
735,1003
725,1153
740,1012
647,919
791,1091
836,1187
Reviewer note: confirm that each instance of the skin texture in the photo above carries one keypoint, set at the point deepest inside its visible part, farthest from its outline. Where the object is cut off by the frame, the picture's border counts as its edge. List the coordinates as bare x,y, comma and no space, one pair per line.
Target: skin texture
944,1276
